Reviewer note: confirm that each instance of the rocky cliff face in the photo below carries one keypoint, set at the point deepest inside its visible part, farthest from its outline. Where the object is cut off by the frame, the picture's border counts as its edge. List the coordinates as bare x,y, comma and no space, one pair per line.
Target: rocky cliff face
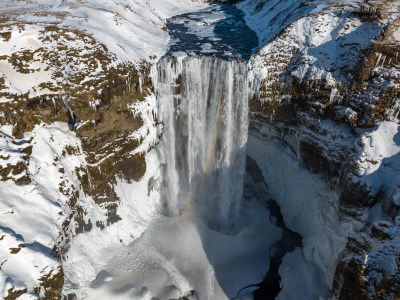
330,78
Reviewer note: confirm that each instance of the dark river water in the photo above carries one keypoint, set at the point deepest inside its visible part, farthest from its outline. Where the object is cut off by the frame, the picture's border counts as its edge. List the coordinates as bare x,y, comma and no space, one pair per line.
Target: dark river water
217,31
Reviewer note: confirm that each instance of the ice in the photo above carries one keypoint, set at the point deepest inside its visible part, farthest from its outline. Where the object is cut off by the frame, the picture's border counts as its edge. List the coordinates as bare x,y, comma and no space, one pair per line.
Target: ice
308,205
206,46
148,134
300,279
333,96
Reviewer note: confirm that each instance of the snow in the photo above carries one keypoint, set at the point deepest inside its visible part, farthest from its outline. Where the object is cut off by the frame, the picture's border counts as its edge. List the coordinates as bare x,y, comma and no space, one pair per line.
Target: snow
396,35
22,83
147,254
379,159
181,257
131,32
300,279
20,40
180,253
272,17
322,43
30,213
89,252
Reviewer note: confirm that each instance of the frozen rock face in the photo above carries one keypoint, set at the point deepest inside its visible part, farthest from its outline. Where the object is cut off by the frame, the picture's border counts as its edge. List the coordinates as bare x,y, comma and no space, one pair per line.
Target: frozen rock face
328,83
203,105
330,62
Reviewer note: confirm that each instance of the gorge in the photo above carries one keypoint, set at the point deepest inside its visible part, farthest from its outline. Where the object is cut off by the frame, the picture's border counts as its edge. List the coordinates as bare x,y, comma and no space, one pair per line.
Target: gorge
236,150
202,103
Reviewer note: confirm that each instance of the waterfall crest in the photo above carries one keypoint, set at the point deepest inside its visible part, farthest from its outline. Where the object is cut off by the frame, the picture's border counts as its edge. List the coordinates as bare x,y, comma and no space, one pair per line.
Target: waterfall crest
203,104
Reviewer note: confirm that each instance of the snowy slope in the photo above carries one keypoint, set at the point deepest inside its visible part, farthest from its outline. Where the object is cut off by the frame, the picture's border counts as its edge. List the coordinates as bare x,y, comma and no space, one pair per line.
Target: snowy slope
44,33
46,46
326,50
32,214
131,30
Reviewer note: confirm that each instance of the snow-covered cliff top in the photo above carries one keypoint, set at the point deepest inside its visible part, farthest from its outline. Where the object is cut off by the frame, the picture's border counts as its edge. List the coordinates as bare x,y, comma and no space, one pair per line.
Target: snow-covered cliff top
47,44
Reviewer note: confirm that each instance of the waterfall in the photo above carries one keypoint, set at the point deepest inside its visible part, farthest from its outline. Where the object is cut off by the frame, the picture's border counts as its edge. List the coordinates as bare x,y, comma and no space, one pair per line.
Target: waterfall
203,104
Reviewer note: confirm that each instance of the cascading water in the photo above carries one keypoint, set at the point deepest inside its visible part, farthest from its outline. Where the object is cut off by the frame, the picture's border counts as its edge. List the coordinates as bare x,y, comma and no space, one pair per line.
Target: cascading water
211,240
208,242
204,107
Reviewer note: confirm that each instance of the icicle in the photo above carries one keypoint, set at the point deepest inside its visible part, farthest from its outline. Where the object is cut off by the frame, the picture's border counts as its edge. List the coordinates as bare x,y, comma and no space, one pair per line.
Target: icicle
141,83
378,59
333,96
66,104
383,60
94,104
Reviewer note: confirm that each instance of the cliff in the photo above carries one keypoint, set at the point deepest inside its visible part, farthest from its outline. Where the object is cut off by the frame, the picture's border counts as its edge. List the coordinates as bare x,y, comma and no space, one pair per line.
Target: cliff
81,170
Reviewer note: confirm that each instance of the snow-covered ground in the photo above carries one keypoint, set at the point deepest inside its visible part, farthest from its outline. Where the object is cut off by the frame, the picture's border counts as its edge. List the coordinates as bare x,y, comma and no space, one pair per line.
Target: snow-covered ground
32,214
321,48
379,161
131,30
45,45
149,255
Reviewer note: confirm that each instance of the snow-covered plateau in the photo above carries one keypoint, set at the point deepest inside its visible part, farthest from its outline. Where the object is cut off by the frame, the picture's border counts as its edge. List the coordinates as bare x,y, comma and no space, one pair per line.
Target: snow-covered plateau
193,149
